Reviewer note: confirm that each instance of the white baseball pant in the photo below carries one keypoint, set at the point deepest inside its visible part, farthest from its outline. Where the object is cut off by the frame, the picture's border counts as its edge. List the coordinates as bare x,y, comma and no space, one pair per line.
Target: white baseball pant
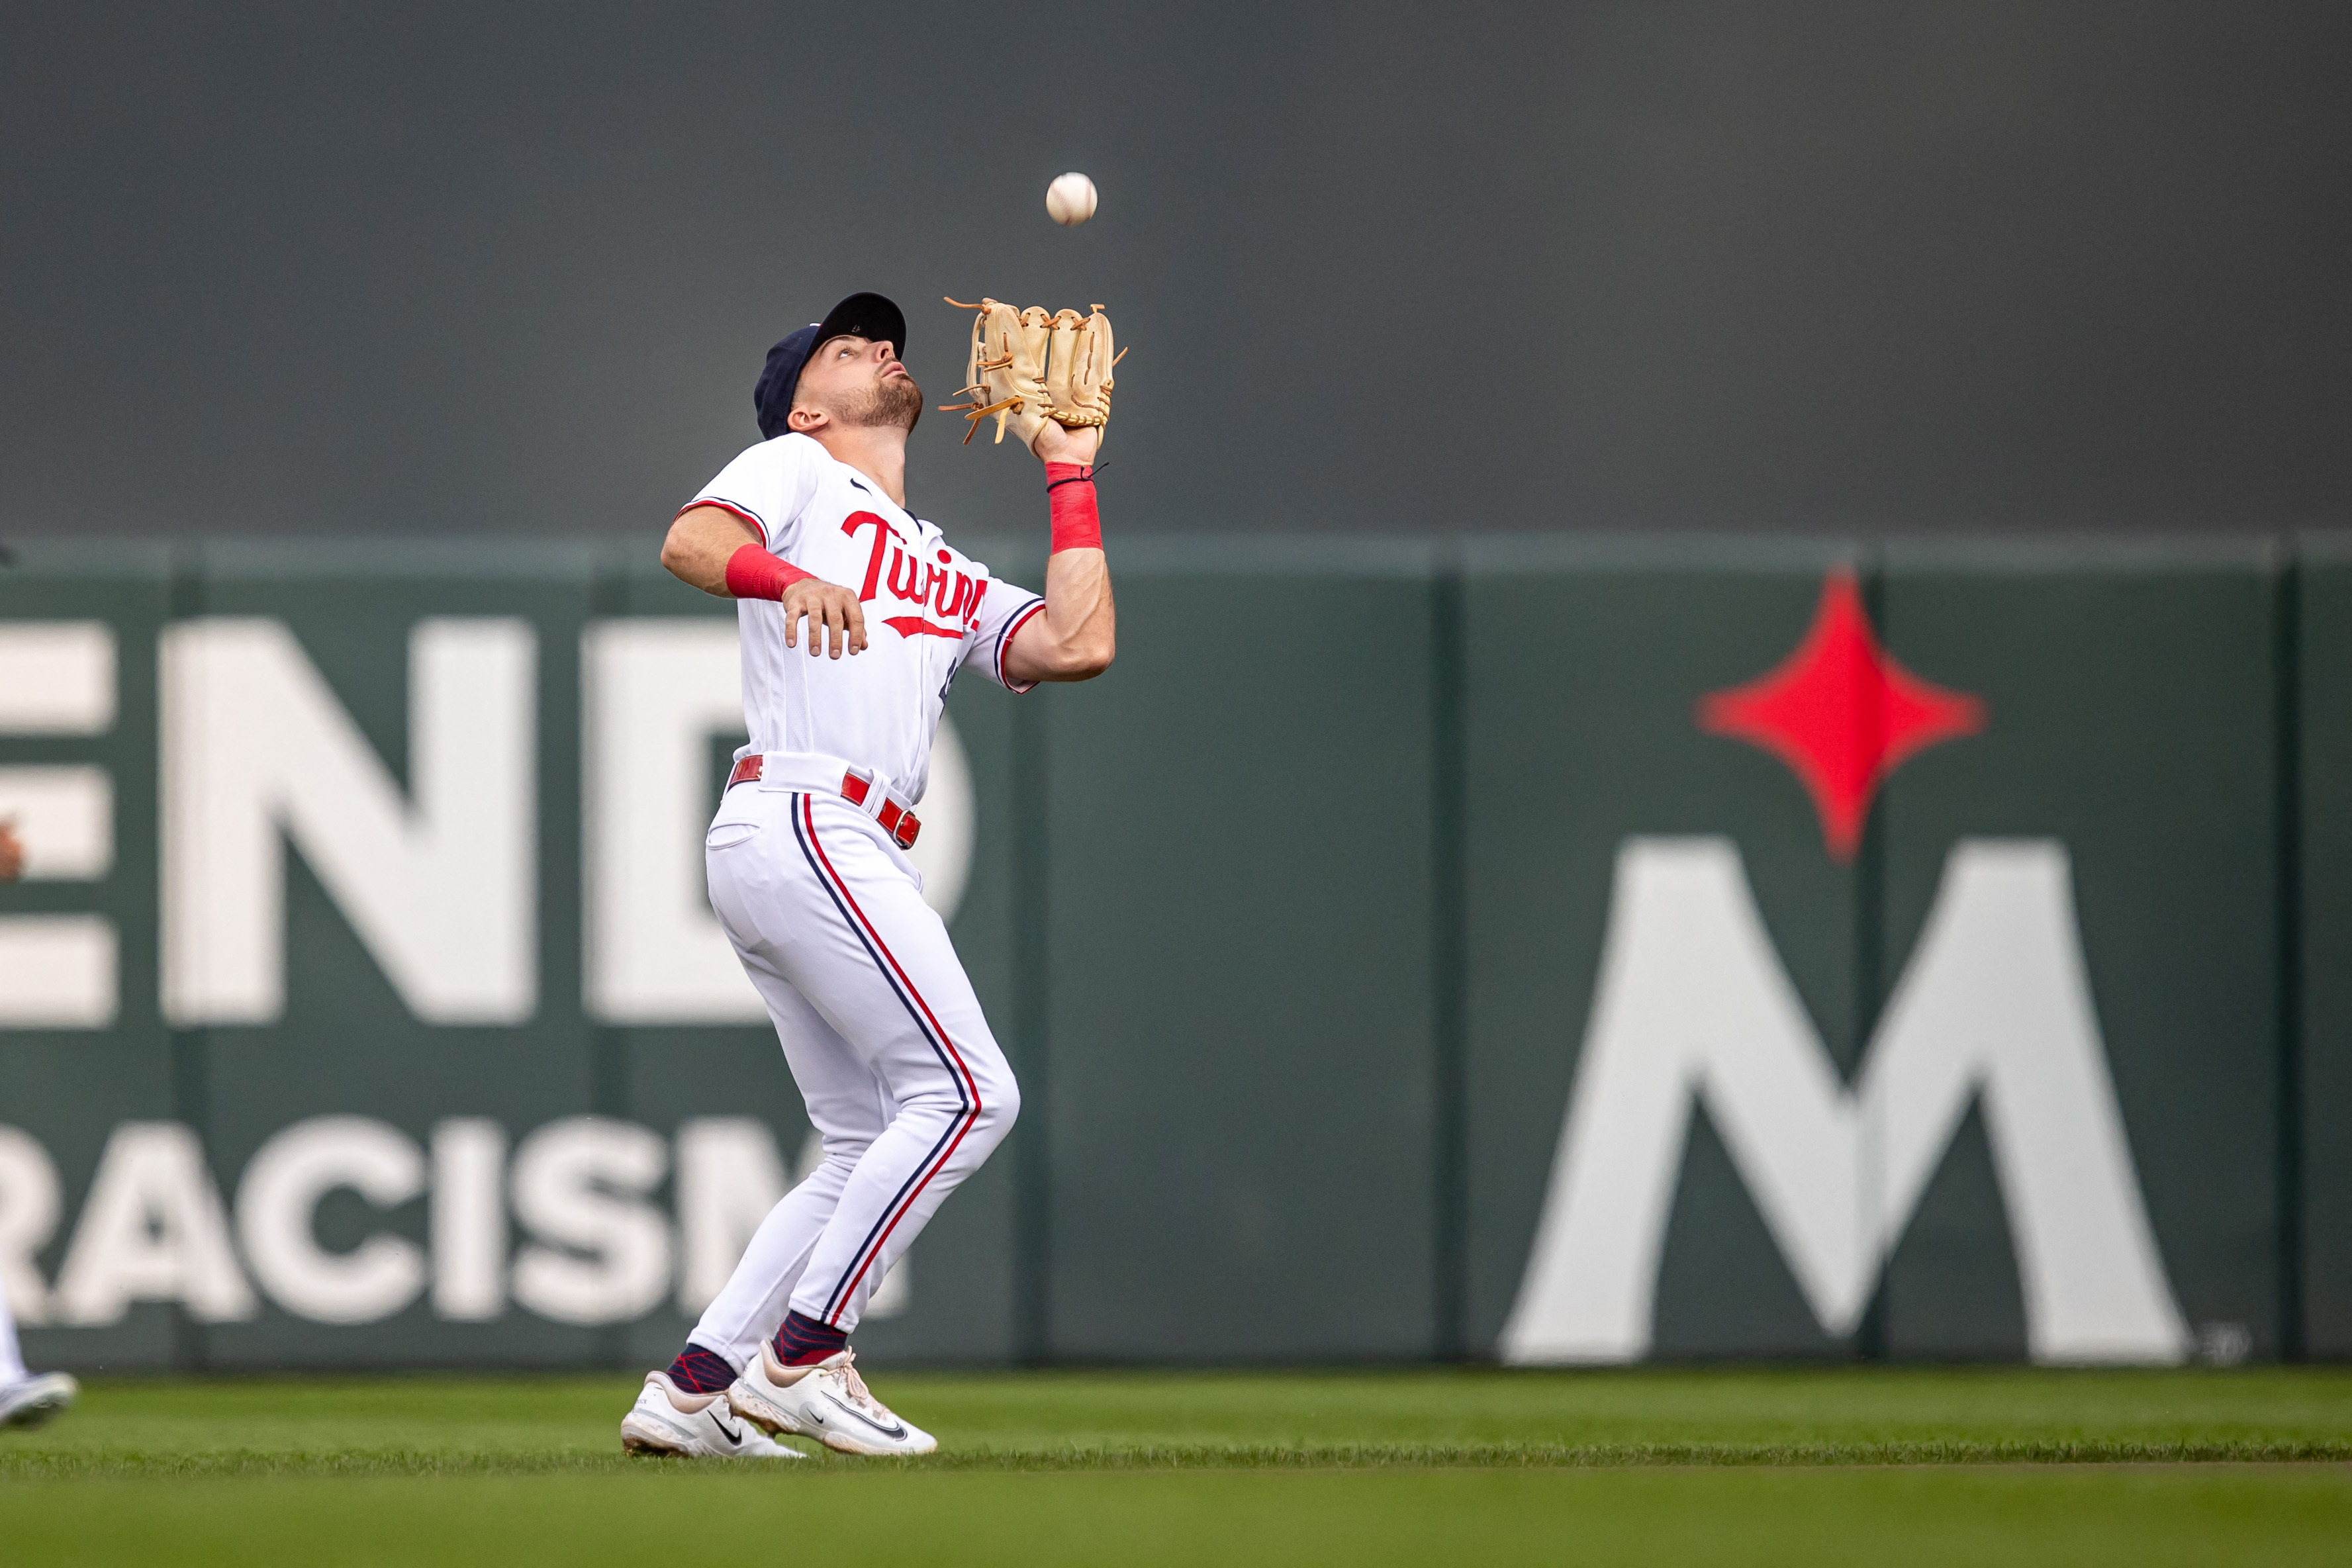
903,1079
12,1363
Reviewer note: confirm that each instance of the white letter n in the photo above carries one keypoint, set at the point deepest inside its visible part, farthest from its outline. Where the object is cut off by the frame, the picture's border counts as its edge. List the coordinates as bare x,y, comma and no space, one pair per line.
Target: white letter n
439,885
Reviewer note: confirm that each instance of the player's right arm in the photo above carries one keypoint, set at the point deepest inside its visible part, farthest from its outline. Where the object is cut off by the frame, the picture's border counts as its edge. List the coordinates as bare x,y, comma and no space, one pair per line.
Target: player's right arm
723,553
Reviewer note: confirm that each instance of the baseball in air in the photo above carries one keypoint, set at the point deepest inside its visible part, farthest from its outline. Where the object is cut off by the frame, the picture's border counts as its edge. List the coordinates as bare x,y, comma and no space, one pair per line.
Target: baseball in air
1070,199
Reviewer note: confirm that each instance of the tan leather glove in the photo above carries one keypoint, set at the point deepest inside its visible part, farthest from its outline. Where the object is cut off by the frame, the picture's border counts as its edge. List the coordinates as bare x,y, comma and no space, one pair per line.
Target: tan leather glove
1027,367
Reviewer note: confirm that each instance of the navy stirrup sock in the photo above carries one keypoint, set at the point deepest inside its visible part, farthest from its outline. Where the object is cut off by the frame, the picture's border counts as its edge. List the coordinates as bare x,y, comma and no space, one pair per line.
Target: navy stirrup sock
700,1371
803,1341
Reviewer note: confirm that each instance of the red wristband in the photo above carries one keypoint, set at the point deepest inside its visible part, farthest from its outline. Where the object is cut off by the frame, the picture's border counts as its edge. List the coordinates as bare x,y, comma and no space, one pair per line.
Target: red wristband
1070,492
753,573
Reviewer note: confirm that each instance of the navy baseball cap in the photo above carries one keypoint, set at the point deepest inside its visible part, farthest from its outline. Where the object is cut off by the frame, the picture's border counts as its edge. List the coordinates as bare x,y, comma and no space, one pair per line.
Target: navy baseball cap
868,316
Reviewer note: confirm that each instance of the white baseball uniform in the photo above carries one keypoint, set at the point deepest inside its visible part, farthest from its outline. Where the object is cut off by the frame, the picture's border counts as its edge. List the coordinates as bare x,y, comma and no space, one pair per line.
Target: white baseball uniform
12,1363
885,1039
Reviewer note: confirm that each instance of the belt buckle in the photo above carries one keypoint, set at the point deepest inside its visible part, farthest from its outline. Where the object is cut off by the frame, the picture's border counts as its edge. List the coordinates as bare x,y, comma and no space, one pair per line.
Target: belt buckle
902,825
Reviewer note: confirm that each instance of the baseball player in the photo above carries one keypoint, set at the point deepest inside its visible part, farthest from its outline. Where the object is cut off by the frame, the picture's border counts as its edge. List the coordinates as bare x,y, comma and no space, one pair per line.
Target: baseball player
27,1399
856,615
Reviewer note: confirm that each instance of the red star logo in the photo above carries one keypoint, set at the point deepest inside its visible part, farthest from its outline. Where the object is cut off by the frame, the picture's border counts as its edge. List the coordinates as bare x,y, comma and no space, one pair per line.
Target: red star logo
1842,714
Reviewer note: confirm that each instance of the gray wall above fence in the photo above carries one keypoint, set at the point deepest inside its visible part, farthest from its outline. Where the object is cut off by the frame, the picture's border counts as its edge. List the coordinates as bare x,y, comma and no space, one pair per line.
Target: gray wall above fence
1389,268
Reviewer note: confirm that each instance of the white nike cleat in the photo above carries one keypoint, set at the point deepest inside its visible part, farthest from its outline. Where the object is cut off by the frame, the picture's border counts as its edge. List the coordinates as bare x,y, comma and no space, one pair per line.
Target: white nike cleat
29,1401
828,1402
668,1420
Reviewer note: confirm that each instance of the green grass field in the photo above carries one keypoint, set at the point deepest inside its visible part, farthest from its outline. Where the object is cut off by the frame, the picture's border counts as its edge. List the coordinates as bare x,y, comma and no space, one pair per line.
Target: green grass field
1038,1468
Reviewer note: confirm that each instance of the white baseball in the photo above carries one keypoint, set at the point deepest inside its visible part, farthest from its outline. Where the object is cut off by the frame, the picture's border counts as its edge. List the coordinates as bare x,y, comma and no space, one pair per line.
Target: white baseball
1070,199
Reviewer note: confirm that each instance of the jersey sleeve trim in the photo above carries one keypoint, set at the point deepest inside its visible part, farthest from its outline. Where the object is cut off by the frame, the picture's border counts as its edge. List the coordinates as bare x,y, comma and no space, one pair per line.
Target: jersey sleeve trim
1004,645
746,513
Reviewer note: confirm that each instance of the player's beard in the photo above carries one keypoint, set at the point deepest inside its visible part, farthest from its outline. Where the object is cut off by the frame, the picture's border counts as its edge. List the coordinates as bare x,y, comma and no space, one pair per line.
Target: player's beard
892,401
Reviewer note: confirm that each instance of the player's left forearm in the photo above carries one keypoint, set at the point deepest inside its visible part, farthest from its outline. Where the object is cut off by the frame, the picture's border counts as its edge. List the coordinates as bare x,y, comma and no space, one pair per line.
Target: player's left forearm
1077,637
1080,626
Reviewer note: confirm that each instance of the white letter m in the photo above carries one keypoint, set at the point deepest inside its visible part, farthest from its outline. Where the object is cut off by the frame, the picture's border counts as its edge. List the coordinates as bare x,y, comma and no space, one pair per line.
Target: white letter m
1693,1002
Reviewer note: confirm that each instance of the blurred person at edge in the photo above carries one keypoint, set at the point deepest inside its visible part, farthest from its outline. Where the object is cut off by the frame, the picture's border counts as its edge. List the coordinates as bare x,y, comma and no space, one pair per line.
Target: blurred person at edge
27,1399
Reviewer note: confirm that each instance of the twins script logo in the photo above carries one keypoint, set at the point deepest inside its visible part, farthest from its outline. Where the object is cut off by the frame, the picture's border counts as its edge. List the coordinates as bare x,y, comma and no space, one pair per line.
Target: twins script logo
1694,1005
953,596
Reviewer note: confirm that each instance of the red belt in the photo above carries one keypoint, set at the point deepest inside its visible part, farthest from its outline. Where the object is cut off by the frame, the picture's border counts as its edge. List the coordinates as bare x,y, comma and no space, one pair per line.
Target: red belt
901,824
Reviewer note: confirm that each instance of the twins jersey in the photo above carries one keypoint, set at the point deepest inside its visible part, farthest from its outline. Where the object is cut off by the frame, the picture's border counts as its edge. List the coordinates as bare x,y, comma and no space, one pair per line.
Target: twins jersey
881,1025
929,611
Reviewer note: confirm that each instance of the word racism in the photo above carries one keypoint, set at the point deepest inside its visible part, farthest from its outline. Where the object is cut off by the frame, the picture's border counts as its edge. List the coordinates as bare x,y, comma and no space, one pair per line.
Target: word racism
597,1248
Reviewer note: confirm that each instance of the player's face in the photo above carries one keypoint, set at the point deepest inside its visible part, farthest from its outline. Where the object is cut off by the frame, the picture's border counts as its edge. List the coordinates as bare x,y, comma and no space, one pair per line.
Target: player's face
859,382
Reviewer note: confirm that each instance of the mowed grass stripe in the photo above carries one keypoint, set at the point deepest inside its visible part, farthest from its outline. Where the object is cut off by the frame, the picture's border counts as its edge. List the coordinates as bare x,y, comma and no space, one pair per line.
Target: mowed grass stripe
1725,1469
1828,1517
1115,1420
37,1466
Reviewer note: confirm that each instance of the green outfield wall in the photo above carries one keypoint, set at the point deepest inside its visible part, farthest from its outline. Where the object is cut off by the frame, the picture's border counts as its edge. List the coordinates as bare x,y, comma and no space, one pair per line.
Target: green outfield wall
1550,950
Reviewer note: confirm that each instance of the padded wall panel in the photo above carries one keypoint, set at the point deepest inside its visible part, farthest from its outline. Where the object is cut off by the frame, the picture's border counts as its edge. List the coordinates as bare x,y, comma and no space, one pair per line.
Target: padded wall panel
2131,730
2325,741
1241,1065
67,1089
1584,667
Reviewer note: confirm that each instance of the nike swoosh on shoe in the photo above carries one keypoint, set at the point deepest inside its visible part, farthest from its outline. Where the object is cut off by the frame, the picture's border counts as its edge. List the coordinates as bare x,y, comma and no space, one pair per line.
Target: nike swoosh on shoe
898,1430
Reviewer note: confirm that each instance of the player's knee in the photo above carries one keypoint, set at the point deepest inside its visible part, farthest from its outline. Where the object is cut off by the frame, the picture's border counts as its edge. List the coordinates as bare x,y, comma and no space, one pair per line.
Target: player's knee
1000,1102
1006,1107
